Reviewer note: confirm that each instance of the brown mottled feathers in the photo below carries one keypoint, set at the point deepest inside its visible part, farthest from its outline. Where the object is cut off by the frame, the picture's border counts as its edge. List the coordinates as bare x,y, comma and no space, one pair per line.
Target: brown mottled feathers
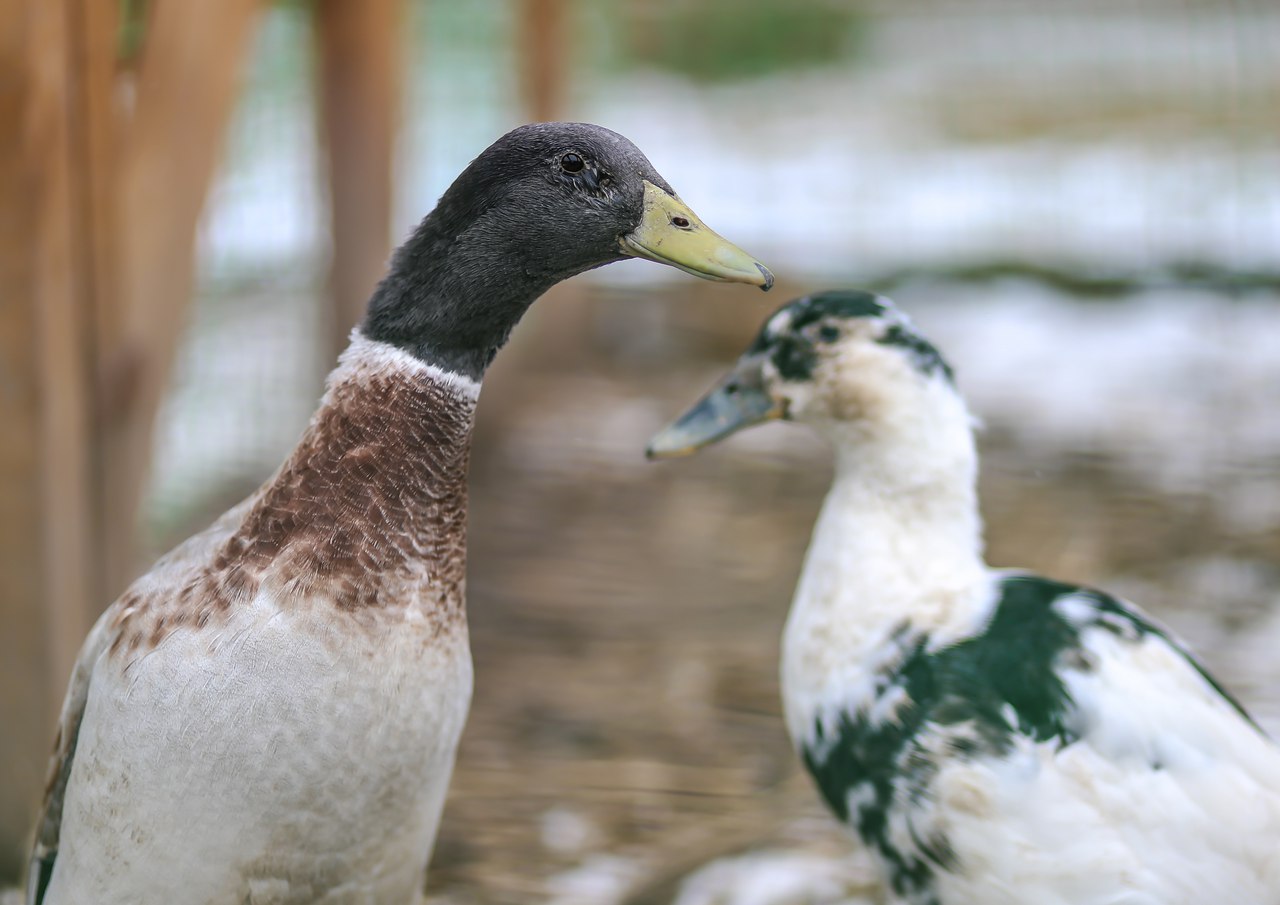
373,496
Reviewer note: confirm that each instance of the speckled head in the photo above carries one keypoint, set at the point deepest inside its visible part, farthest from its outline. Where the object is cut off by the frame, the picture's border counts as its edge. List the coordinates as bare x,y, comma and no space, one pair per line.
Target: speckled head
804,332
843,356
542,203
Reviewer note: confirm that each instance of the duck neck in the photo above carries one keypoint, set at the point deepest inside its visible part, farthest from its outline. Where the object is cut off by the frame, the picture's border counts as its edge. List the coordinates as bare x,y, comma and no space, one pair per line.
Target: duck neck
898,524
372,502
898,541
458,286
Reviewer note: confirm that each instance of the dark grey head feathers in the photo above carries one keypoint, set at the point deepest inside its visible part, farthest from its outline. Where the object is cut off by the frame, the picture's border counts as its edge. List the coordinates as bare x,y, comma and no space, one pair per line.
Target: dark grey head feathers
542,203
792,337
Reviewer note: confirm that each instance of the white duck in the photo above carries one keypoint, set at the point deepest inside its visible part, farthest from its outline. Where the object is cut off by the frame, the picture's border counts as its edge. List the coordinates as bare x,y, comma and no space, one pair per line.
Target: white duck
270,715
992,736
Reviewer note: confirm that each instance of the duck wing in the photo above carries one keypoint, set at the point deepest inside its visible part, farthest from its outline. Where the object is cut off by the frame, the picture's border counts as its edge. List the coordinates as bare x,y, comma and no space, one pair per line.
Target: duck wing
1067,722
44,852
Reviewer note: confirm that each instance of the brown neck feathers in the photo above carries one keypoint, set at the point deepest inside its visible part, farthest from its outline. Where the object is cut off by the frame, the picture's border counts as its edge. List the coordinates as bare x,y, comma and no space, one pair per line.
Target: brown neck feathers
370,508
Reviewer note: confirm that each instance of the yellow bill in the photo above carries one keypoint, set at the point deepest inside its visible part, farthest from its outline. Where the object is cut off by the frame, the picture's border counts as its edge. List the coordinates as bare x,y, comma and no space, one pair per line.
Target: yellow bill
671,233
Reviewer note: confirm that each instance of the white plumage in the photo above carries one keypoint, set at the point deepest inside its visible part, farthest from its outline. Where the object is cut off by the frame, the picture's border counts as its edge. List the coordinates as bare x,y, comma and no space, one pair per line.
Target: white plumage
993,737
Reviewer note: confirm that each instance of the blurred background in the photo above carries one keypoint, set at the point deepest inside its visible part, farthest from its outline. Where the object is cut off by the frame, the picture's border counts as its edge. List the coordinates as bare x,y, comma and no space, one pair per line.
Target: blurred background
1079,203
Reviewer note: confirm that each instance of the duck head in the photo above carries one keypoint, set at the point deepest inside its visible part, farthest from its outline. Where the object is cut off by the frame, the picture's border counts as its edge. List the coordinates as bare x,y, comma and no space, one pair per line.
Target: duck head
543,203
847,363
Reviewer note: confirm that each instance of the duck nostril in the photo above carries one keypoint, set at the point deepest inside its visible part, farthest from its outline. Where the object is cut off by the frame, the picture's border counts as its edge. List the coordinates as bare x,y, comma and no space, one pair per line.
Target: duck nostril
732,389
680,222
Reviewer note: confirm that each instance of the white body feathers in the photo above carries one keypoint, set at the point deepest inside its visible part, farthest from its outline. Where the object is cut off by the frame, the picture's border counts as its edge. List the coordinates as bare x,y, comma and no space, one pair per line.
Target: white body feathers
1163,793
994,738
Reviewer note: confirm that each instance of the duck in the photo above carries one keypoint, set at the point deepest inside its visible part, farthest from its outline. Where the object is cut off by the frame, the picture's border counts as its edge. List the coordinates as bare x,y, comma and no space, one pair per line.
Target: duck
271,713
990,735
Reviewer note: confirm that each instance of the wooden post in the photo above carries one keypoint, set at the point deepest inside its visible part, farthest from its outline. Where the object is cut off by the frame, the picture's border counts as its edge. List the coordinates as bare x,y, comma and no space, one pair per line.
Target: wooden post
559,325
544,45
167,154
47,568
359,70
96,243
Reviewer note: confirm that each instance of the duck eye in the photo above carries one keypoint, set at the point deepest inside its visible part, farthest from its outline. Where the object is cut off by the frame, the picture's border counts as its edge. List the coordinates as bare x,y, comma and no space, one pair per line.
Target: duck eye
828,334
572,163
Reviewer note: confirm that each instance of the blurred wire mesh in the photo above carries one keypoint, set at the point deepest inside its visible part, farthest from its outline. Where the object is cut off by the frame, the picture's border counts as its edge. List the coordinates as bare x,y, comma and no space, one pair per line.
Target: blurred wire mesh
1081,205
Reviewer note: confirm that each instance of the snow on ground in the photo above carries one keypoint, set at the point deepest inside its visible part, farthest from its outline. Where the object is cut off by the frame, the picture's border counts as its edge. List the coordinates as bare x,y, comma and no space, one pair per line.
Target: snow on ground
599,880
1178,384
783,878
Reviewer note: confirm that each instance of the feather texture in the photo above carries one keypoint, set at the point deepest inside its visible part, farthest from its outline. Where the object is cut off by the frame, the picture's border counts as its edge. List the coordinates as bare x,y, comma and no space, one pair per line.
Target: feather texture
992,737
996,737
271,714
